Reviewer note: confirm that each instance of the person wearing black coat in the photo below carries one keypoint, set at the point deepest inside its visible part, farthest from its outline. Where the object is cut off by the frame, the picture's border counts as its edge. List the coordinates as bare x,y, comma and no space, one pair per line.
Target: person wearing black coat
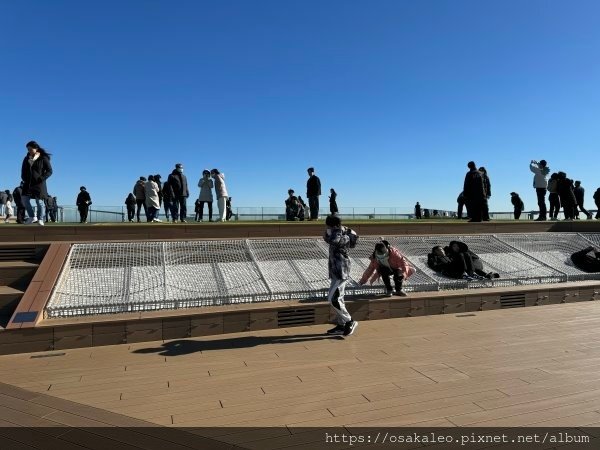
130,203
468,261
313,191
18,196
566,195
517,203
83,203
442,264
35,170
579,197
168,200
487,185
474,192
583,260
333,207
596,201
178,182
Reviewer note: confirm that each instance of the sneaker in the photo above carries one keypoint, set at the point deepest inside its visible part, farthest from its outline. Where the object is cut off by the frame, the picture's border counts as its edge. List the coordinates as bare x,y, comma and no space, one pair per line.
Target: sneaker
183,221
350,327
401,293
30,220
156,220
540,219
389,293
40,222
337,330
467,277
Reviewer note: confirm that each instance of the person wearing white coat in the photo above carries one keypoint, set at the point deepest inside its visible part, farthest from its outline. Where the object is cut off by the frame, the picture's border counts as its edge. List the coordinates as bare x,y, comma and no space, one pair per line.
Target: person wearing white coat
206,184
152,199
221,191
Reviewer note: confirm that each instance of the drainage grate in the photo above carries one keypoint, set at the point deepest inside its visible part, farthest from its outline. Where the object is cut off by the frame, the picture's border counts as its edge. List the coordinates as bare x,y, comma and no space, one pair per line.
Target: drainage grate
291,317
512,300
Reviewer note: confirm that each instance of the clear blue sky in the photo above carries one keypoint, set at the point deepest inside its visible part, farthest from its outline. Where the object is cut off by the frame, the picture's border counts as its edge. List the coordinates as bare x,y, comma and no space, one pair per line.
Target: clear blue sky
387,99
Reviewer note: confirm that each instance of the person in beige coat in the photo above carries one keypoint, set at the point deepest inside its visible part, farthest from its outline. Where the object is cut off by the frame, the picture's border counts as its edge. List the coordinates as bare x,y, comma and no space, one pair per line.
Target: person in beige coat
221,191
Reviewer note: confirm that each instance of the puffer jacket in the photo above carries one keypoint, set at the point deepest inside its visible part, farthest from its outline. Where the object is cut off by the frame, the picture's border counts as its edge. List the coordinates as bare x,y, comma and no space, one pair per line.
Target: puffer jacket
220,188
205,185
340,240
540,179
396,261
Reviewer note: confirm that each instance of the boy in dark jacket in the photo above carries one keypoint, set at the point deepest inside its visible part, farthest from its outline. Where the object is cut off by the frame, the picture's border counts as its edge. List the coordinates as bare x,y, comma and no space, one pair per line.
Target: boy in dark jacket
130,204
518,204
340,239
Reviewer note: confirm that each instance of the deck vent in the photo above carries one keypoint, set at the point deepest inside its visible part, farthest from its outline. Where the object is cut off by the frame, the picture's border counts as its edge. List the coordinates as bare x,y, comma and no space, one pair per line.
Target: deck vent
11,253
512,300
296,317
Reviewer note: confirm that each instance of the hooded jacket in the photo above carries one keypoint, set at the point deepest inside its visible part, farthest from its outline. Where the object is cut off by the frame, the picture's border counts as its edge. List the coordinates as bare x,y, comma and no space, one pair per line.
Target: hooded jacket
463,248
474,189
206,185
396,260
340,240
220,188
130,200
139,190
540,180
179,184
34,176
152,198
517,202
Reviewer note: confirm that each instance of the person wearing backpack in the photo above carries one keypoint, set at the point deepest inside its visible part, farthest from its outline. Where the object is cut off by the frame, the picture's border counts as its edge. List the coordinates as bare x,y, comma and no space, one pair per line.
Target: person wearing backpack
340,239
386,262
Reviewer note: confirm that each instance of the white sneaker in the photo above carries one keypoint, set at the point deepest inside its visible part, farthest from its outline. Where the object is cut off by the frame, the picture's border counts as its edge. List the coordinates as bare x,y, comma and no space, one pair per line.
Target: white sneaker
156,220
30,220
40,222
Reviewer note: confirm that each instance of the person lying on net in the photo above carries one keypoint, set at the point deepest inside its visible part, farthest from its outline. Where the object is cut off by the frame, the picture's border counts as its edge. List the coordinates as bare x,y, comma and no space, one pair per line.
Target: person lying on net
387,261
457,261
587,259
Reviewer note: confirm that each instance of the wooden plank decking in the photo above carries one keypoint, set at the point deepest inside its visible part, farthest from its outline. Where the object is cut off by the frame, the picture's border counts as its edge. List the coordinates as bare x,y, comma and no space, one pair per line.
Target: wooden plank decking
515,367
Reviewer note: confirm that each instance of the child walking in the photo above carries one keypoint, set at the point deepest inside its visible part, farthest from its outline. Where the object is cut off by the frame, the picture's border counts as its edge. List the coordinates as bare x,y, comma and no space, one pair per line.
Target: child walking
340,239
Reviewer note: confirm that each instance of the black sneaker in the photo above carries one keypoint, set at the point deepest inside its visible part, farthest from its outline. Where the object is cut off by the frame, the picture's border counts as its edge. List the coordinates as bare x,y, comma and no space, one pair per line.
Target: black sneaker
338,329
350,327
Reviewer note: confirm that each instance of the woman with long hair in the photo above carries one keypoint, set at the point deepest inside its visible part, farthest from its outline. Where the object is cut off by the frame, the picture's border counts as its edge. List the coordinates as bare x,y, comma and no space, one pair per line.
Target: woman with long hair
35,170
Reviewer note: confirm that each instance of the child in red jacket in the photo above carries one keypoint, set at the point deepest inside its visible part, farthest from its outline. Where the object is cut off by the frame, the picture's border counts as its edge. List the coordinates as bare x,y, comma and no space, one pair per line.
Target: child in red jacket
387,261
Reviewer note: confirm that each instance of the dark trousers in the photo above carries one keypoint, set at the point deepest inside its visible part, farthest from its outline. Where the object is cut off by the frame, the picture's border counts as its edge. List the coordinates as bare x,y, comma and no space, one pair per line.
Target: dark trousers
475,208
386,273
179,211
20,214
554,200
313,204
130,212
582,209
517,214
170,208
140,203
83,212
598,210
541,197
485,211
201,213
459,213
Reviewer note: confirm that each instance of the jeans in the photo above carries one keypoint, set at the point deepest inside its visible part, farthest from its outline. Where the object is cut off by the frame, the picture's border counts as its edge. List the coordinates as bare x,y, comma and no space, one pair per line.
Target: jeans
179,206
26,200
541,197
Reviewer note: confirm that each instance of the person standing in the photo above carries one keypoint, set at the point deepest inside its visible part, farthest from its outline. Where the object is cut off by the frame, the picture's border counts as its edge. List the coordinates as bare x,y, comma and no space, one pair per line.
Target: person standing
179,184
130,204
139,190
418,211
567,196
157,179
487,185
35,170
553,197
333,207
313,191
206,184
579,196
540,183
221,191
340,239
597,202
18,196
517,203
3,200
474,192
8,207
461,205
169,201
83,203
152,199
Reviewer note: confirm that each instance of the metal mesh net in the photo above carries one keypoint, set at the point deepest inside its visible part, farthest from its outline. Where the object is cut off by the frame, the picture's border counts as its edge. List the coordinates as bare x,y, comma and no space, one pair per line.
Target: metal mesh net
104,278
554,250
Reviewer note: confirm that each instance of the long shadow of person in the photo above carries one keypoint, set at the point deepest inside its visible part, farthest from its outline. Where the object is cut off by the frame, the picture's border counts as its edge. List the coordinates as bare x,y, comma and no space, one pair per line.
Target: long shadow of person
187,346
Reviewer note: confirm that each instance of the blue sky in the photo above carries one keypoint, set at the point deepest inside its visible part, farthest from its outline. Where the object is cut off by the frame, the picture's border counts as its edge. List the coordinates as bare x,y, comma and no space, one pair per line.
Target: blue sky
388,100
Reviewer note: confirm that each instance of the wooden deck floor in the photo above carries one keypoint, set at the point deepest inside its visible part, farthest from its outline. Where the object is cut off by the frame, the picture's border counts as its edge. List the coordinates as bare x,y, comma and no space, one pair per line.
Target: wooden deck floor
536,366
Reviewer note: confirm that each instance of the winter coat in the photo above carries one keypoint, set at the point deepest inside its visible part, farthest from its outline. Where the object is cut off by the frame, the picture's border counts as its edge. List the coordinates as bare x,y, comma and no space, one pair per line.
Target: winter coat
34,176
396,260
474,190
17,194
179,184
83,199
139,190
438,263
205,185
130,200
220,188
553,186
313,186
517,202
540,178
340,240
487,185
596,196
333,208
168,194
579,194
463,248
197,208
152,199
3,198
583,260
